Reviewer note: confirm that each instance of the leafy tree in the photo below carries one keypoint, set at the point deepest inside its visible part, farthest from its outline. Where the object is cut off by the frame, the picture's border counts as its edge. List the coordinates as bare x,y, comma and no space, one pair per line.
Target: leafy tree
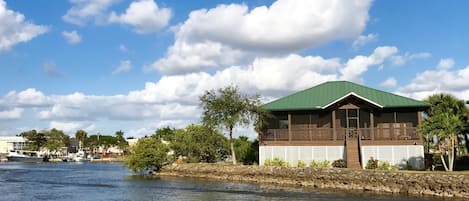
56,140
246,150
227,108
81,135
165,133
198,143
446,118
121,142
147,155
35,140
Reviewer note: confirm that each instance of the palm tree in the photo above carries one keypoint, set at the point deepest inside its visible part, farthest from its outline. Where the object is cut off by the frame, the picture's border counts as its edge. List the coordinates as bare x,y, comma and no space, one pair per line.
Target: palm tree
446,118
80,135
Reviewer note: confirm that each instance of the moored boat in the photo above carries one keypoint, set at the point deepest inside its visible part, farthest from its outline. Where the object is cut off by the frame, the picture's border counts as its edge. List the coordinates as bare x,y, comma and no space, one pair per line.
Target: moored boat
26,156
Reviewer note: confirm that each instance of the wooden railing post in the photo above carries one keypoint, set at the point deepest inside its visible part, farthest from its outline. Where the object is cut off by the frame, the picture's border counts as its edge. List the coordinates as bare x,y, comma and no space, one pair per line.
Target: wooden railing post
334,126
289,127
372,125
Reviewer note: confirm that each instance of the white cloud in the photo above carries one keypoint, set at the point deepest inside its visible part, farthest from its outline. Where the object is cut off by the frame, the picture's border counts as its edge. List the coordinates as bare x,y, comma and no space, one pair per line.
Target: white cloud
12,114
15,29
362,40
174,99
398,60
355,67
389,83
71,127
144,15
27,98
445,63
441,80
84,11
224,35
124,66
72,37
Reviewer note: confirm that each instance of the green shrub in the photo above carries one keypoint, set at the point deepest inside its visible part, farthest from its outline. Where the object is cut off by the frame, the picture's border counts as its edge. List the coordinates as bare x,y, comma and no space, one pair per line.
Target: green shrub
371,164
319,164
339,163
384,165
276,162
301,164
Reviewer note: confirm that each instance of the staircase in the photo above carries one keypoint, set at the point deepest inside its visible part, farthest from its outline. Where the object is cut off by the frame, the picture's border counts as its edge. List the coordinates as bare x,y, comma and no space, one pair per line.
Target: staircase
353,158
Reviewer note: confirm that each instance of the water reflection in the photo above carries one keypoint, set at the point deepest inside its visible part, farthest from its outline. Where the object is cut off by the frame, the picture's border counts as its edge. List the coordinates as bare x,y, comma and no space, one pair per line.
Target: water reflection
95,181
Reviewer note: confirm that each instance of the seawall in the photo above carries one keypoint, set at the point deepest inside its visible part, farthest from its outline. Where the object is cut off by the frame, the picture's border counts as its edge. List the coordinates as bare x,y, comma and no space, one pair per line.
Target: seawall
438,184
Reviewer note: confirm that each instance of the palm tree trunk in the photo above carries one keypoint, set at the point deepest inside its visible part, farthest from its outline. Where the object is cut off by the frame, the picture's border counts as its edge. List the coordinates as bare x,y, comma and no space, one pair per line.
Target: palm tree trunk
466,139
233,153
451,155
443,161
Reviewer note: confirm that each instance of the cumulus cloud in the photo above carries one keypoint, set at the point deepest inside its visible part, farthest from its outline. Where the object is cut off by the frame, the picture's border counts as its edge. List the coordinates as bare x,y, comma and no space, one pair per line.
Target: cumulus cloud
12,114
84,11
226,34
144,15
445,63
15,29
364,39
389,83
71,127
72,37
174,99
124,66
439,80
355,67
27,98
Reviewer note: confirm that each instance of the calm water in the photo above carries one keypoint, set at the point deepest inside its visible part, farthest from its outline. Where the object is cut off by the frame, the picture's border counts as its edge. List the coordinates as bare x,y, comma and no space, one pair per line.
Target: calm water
98,181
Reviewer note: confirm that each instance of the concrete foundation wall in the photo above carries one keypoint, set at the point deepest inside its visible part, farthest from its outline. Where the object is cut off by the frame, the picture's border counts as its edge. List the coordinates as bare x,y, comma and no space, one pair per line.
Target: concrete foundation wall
401,155
292,154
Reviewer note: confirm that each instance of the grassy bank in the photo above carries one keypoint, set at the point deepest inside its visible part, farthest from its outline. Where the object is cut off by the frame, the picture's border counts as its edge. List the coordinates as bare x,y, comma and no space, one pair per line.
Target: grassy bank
405,183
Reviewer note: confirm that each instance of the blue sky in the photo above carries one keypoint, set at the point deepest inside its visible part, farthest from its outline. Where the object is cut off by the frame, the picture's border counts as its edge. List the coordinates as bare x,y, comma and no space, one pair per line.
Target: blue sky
106,65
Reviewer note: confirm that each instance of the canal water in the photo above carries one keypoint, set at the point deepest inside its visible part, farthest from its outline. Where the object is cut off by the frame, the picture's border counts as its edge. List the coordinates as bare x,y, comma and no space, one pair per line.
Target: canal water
112,181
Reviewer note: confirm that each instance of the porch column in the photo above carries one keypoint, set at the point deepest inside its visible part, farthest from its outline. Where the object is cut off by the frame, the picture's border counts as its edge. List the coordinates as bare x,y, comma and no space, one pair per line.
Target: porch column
372,125
334,132
289,126
419,117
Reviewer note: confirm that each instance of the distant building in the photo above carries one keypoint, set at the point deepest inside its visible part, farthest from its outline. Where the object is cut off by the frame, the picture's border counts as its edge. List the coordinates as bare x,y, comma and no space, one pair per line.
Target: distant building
11,143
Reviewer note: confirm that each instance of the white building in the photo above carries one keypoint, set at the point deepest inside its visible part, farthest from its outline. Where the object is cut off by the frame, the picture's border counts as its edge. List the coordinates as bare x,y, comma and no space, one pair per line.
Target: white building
11,143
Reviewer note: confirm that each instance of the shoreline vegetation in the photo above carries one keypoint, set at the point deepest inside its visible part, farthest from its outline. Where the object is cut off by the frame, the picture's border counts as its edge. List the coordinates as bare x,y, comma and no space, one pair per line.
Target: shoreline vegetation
407,183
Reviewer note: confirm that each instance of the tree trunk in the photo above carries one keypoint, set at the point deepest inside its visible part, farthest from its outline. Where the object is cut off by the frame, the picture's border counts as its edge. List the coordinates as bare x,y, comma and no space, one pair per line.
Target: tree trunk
466,139
443,161
451,154
233,153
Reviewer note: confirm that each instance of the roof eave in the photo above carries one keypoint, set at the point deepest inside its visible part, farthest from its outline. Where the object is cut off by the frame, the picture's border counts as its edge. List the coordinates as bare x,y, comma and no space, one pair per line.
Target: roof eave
351,94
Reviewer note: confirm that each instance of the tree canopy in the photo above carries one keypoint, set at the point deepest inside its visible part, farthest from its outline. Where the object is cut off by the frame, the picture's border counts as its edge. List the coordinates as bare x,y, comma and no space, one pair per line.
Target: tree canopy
227,108
446,121
199,144
148,154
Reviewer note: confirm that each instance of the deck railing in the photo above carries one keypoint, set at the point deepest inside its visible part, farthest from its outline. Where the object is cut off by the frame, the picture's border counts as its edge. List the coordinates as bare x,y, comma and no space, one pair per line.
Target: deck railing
327,134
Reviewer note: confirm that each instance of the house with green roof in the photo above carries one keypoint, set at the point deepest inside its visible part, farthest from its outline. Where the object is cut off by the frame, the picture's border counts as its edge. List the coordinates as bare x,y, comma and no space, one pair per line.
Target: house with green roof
343,120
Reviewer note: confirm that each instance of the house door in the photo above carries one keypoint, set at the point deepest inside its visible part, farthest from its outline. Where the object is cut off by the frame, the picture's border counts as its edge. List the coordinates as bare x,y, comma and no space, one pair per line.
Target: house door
352,116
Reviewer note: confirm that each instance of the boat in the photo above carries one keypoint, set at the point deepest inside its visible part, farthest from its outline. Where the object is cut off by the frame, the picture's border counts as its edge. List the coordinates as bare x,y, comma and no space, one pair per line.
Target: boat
80,156
26,156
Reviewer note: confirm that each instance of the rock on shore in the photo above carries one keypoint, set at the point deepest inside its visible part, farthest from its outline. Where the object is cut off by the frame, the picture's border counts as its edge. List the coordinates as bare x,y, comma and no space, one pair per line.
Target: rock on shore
433,184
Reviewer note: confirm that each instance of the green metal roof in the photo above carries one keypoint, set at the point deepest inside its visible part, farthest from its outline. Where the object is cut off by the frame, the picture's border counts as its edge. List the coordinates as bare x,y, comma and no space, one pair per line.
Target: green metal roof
328,93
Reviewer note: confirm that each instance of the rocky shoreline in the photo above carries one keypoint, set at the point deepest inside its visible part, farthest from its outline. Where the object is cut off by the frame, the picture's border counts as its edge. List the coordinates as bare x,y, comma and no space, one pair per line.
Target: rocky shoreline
404,183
